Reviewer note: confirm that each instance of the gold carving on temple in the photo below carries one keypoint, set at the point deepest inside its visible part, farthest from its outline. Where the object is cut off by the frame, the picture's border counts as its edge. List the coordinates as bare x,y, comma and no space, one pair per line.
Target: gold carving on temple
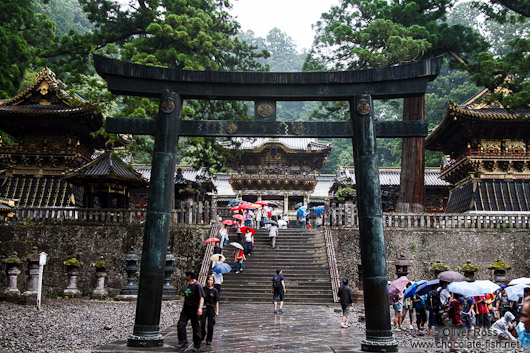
515,146
490,146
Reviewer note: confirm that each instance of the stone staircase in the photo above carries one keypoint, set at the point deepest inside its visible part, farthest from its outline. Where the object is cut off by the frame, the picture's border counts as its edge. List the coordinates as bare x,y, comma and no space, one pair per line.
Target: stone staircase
302,256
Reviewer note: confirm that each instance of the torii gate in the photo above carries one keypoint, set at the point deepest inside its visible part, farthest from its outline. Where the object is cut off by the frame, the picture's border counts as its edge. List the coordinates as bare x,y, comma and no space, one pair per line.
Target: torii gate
265,89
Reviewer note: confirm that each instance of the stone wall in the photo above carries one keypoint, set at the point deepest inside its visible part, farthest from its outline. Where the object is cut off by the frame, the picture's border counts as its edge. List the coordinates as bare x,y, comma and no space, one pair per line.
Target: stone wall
451,247
113,242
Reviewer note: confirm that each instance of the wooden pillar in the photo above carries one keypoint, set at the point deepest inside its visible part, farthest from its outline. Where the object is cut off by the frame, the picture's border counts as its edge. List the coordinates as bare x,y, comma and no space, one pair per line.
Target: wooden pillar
412,193
373,254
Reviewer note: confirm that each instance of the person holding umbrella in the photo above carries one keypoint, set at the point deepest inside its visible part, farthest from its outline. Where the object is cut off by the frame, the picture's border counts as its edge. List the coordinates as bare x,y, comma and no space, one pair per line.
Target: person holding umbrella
210,309
249,240
273,232
224,235
239,256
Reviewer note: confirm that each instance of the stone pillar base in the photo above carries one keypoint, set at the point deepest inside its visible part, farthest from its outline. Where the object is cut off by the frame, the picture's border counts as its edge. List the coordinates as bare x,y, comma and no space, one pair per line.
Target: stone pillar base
72,293
126,298
99,294
28,298
12,295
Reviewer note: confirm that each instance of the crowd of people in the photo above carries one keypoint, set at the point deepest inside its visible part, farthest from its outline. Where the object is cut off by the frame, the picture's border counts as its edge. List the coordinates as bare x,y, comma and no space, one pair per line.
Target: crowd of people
491,314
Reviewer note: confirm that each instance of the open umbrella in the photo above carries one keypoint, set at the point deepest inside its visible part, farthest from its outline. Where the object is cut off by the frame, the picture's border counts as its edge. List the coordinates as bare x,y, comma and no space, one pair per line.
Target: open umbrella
516,292
451,276
239,216
410,291
427,287
245,205
298,205
256,205
318,210
244,230
217,258
236,208
211,240
301,210
262,203
272,204
237,245
472,289
234,202
397,286
522,280
228,221
270,221
222,268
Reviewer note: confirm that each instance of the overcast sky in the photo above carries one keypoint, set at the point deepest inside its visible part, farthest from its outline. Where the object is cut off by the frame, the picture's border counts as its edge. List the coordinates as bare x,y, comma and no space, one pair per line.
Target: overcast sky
293,17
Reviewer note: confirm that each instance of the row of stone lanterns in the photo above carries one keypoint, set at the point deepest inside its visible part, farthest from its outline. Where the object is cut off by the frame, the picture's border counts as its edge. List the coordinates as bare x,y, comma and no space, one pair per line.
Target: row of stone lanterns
128,293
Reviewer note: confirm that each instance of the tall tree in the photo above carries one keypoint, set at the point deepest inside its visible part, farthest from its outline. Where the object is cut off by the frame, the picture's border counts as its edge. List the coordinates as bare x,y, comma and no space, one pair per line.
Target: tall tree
380,33
23,35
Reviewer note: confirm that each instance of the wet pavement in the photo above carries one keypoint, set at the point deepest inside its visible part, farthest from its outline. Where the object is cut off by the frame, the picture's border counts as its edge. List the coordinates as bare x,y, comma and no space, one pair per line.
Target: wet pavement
247,327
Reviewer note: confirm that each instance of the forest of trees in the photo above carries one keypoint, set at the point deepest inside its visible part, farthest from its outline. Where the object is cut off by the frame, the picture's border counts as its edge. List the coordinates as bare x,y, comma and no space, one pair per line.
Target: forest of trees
484,43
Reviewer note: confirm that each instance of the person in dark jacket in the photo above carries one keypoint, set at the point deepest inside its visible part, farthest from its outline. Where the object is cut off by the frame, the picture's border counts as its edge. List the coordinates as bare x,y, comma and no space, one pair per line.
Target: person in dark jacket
346,300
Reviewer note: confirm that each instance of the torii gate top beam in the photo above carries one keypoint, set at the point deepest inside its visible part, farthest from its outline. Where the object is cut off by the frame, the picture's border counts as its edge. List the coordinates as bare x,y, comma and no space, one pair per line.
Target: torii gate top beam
384,83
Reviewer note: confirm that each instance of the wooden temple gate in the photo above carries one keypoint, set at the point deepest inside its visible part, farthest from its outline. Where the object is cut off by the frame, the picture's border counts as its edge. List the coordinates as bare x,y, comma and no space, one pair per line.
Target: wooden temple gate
265,89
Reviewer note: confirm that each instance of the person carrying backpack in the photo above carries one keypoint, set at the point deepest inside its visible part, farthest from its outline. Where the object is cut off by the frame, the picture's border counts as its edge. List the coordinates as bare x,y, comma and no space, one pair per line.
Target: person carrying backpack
278,290
434,306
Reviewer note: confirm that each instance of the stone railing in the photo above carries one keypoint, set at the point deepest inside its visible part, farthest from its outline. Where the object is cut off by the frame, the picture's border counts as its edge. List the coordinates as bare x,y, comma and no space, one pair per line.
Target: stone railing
332,261
346,216
188,213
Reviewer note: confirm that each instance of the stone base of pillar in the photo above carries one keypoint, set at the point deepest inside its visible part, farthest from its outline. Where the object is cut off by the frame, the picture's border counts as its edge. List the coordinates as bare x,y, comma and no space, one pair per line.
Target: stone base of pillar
29,298
12,295
379,346
99,294
145,341
72,293
357,349
126,298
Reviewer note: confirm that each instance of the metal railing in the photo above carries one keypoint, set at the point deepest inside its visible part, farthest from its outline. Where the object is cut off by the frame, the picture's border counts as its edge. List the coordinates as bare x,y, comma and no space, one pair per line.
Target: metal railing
205,267
333,270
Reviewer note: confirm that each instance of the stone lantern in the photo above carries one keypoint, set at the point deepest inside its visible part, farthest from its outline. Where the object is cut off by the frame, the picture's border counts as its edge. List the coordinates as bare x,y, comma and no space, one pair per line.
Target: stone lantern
72,269
130,290
402,266
499,271
168,291
30,295
438,268
469,271
13,269
101,272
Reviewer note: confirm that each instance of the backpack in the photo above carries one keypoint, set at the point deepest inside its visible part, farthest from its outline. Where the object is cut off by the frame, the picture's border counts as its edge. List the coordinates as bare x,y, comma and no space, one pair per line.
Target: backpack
276,281
434,303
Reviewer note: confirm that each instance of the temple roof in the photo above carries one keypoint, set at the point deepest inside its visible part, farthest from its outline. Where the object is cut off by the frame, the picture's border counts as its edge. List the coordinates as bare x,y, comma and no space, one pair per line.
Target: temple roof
476,119
46,107
105,167
290,144
189,173
390,176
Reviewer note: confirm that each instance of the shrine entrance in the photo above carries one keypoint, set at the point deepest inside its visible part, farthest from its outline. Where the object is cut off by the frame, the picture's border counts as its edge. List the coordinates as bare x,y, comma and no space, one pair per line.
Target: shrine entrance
359,88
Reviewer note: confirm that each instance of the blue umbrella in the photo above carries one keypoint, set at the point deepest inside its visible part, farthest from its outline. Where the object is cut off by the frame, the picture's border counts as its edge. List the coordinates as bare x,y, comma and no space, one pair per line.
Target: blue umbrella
319,210
222,268
426,287
301,210
410,291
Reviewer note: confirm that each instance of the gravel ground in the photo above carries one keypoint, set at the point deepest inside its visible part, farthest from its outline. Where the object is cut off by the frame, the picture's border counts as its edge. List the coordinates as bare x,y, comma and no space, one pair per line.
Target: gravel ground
71,325
78,325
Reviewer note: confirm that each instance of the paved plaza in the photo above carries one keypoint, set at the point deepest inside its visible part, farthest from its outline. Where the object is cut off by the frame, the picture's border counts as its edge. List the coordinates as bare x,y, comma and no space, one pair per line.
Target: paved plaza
243,327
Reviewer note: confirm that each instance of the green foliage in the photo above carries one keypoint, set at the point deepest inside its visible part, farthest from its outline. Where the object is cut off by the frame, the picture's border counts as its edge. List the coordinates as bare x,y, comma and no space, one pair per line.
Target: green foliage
347,192
23,35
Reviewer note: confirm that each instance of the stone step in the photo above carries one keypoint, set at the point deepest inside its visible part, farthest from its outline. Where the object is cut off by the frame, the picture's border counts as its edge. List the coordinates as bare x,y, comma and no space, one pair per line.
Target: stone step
268,298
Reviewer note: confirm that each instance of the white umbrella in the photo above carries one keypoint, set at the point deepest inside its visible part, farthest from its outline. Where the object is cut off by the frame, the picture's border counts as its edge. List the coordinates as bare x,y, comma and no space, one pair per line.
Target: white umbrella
522,280
516,292
472,289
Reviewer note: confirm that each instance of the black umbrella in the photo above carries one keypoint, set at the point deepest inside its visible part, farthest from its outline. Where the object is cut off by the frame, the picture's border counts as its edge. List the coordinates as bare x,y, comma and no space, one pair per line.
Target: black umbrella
272,204
270,221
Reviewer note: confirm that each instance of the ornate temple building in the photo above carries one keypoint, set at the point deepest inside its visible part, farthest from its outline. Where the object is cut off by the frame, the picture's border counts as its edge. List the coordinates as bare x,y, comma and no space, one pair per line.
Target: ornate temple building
276,169
436,189
53,135
488,156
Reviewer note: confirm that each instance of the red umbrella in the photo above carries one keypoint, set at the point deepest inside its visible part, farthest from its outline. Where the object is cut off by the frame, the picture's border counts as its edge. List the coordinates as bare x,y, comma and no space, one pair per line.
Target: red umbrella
244,230
245,205
239,216
211,240
263,203
237,208
228,221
